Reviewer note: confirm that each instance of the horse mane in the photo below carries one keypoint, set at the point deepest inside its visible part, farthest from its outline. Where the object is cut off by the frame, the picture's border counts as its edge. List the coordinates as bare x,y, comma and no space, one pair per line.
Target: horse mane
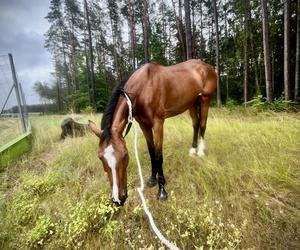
108,114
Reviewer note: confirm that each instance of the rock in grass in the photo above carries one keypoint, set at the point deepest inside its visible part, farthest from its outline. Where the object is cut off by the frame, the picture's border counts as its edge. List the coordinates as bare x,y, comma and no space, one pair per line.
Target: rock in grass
73,129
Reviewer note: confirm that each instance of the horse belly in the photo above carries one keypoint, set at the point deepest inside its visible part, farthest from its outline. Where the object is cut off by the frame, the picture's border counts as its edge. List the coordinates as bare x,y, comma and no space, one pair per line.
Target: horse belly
180,100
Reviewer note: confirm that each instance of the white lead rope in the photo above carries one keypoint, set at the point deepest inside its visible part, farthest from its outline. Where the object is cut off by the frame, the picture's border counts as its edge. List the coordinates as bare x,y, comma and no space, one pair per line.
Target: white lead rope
140,189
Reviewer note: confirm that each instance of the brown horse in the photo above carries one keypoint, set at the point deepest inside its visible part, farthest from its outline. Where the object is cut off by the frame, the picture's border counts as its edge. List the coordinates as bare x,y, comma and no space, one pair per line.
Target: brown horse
156,93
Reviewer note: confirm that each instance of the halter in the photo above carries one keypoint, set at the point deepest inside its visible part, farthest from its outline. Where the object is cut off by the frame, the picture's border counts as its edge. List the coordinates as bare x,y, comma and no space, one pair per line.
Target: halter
130,117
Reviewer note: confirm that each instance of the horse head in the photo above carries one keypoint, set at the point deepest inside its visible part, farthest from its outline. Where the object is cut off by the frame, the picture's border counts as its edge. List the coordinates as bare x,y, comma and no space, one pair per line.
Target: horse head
113,154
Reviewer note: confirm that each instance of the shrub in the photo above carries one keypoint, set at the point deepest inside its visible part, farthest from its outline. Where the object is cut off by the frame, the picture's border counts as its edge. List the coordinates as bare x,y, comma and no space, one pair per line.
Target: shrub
230,103
260,103
43,229
22,209
42,185
86,217
87,110
204,227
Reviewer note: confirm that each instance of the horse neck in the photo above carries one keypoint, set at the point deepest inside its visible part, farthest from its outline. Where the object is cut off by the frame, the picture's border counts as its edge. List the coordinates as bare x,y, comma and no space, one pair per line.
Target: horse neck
120,118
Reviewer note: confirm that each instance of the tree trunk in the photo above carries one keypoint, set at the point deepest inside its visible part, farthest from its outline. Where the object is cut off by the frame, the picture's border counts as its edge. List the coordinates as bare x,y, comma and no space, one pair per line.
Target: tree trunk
180,11
193,31
179,30
146,30
92,78
58,85
287,48
226,52
256,61
202,41
225,20
267,59
164,28
297,68
188,29
88,74
182,29
66,68
132,33
256,75
246,64
117,69
217,53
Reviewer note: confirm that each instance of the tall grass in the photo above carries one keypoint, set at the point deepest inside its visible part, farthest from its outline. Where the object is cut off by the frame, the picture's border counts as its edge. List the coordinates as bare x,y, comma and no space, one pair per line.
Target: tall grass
9,130
245,193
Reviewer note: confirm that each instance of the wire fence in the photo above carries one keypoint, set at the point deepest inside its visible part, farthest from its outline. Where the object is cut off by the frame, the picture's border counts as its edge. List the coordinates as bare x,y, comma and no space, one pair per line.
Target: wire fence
13,110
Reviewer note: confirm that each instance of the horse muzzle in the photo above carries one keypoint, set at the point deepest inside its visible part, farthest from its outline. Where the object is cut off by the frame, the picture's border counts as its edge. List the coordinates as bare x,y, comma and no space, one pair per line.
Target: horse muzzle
122,198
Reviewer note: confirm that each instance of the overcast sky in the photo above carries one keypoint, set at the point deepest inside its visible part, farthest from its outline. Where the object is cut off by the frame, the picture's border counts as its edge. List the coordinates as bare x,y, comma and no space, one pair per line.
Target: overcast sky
22,29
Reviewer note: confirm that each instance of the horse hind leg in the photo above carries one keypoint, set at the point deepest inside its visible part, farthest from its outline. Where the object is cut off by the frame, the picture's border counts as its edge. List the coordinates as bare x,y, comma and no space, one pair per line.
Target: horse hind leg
203,119
194,113
158,143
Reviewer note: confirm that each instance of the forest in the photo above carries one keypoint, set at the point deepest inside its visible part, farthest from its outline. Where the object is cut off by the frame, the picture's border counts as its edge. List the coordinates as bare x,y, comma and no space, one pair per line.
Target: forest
254,46
243,194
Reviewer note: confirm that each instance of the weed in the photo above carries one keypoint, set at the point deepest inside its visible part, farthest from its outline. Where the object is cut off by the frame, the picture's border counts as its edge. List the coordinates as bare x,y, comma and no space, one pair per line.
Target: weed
87,110
243,194
259,103
38,235
90,216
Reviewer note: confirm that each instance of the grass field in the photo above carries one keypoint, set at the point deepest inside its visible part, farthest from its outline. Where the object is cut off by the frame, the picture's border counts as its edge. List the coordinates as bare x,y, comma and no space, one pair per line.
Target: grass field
245,193
9,129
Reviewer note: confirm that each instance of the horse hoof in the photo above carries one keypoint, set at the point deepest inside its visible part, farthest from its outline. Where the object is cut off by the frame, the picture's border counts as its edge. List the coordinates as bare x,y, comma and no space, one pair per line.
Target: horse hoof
162,194
152,181
192,152
201,154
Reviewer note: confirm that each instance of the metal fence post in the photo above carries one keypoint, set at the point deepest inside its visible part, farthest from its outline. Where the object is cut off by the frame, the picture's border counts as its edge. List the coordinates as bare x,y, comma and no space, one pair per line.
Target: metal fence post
13,71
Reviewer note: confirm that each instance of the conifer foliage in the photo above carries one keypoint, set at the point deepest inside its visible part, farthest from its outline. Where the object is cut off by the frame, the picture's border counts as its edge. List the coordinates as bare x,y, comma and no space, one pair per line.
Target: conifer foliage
95,44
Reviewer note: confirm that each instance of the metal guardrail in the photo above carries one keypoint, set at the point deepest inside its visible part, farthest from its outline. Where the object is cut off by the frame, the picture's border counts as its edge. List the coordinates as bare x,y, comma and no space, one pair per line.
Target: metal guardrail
12,107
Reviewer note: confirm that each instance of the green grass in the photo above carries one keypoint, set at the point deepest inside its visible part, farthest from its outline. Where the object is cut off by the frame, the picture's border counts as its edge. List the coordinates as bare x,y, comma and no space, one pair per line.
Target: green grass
245,193
9,129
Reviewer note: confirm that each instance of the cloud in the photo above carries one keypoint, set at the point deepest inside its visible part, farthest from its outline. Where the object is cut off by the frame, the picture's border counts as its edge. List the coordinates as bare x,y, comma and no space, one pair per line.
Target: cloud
29,77
27,49
22,28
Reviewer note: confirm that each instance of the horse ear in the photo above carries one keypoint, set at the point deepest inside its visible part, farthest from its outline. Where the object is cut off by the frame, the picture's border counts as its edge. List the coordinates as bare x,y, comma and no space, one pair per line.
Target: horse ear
94,128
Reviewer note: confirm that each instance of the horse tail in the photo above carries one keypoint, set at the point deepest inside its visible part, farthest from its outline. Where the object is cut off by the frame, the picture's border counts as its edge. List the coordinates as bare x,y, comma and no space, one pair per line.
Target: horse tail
210,85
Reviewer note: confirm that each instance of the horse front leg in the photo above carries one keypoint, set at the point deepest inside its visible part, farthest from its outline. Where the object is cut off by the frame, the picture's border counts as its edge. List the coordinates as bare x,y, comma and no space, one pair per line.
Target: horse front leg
158,143
147,131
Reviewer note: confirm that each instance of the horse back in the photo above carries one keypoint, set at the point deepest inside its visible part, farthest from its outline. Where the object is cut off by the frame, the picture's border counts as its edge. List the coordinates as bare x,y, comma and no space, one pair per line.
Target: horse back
167,91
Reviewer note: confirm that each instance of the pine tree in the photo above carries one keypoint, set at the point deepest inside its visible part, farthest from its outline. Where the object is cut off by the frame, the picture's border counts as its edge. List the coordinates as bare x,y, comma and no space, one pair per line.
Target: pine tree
267,60
131,22
297,66
91,57
287,48
246,62
146,29
188,29
56,38
217,53
73,18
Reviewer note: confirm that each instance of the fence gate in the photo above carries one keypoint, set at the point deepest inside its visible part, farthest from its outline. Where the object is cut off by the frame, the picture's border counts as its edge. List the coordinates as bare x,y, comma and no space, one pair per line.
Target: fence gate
14,121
